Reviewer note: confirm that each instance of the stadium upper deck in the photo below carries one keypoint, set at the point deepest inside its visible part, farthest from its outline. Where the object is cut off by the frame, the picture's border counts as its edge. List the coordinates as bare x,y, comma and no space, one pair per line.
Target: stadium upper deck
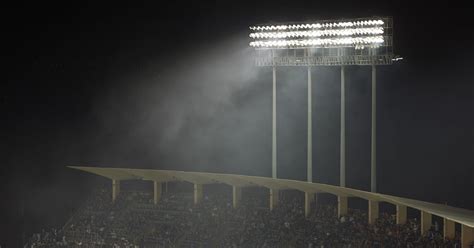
451,215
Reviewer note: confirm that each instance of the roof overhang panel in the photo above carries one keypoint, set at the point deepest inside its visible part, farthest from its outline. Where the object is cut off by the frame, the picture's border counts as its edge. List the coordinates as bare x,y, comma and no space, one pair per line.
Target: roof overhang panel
233,180
267,182
111,173
152,175
191,177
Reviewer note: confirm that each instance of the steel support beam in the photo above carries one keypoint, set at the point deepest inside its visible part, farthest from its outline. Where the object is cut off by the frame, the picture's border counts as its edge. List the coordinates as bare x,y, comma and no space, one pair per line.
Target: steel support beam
373,211
274,197
157,189
308,199
197,193
448,229
467,236
115,189
426,222
401,214
236,196
341,206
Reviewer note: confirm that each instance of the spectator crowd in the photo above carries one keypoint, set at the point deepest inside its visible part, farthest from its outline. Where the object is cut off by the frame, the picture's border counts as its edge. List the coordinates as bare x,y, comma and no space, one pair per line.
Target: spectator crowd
134,221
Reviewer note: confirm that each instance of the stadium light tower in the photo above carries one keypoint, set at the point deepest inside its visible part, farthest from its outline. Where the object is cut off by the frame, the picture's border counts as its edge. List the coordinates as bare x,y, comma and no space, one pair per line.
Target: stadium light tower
361,41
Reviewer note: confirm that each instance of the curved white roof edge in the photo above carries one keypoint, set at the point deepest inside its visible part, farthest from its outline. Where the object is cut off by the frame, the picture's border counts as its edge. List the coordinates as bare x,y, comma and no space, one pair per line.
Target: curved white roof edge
459,215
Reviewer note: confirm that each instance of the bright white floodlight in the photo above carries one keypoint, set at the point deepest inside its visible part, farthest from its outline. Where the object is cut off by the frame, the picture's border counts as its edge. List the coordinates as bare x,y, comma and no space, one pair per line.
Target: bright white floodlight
346,33
362,41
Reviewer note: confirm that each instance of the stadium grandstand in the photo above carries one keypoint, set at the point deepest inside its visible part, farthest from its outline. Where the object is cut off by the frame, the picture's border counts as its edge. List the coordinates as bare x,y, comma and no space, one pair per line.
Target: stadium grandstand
195,209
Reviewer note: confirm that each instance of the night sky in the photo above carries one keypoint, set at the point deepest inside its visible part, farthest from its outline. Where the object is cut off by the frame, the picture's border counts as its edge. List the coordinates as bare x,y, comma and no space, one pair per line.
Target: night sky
172,86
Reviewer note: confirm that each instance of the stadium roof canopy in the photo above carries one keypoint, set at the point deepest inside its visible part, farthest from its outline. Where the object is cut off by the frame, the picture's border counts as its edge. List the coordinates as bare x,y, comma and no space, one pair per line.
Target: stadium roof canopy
459,215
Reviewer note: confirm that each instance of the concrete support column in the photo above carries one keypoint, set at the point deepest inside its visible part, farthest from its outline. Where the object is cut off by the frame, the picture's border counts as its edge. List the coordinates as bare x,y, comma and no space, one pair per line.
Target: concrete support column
401,215
115,189
448,229
308,199
274,196
373,211
236,196
197,193
156,192
426,222
467,236
341,206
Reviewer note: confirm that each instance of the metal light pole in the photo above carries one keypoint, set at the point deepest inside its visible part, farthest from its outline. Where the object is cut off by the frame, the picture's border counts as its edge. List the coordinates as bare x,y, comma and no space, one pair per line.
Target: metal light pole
310,133
274,137
342,161
373,146
345,42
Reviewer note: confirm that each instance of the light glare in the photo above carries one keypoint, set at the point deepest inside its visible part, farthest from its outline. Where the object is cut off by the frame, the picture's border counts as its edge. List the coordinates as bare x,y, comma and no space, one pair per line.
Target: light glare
375,40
